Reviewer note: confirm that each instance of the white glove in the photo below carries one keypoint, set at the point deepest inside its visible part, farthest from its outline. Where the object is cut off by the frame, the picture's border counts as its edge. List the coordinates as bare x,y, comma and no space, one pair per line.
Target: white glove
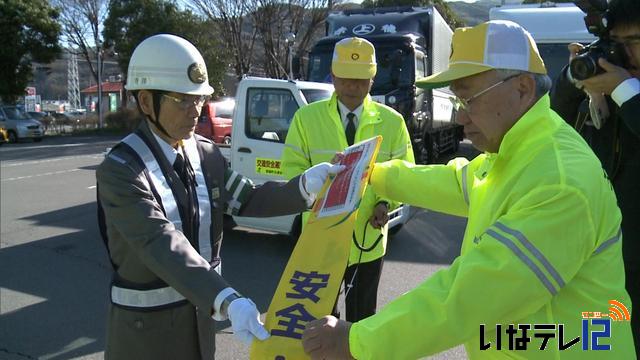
245,321
315,176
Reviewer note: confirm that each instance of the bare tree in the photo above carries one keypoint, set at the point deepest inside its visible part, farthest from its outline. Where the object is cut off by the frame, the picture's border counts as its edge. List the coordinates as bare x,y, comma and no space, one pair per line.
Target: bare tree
308,19
272,19
232,26
80,20
254,30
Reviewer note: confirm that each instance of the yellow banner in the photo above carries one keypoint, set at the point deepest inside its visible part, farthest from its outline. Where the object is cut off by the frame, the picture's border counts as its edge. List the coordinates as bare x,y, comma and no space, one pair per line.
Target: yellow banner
310,283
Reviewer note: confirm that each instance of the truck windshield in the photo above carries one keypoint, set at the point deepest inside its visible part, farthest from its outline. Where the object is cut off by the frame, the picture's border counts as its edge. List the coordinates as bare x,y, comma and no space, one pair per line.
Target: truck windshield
313,95
555,57
395,69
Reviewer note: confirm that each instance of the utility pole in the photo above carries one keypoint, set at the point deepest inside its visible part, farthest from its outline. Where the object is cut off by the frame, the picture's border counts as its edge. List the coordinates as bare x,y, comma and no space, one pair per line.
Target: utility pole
289,40
99,50
73,83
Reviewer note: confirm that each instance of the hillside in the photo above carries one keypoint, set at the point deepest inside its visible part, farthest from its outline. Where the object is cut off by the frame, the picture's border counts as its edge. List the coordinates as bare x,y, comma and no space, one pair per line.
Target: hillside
477,12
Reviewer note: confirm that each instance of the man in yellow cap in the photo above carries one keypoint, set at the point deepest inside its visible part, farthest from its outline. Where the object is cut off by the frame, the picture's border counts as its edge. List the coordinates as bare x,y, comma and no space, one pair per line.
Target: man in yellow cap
321,129
541,260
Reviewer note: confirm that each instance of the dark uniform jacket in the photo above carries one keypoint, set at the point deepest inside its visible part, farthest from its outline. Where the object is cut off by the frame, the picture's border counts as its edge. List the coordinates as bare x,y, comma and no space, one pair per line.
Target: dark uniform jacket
148,252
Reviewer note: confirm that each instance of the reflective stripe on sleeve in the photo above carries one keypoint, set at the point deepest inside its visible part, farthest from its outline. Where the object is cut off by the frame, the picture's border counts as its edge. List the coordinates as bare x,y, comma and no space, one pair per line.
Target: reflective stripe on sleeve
296,149
536,270
313,152
609,242
232,178
534,251
465,190
399,152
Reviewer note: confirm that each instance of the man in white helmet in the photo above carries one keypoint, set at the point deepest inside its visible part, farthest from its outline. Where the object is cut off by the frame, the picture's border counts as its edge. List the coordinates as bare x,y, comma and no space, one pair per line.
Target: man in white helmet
162,193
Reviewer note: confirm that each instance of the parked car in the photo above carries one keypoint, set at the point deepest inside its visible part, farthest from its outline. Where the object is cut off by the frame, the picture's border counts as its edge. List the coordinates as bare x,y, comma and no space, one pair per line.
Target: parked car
215,121
19,124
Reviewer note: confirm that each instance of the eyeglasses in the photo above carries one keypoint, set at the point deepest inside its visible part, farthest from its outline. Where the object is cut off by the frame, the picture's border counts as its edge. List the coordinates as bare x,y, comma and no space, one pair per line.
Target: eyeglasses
186,103
464,104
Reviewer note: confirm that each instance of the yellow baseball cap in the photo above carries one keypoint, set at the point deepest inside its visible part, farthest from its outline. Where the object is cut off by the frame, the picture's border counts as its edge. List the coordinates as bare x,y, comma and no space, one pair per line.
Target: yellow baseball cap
496,44
354,58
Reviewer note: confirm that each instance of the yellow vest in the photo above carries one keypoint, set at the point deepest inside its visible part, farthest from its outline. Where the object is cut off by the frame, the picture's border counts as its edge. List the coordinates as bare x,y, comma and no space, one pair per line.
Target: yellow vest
542,246
316,134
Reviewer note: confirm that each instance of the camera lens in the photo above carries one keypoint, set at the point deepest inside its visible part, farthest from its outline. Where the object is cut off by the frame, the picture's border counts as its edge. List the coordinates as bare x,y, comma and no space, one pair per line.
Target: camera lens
583,67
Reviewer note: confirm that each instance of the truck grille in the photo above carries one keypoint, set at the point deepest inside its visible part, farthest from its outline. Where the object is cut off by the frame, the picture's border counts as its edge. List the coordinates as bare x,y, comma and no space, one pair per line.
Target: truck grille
32,127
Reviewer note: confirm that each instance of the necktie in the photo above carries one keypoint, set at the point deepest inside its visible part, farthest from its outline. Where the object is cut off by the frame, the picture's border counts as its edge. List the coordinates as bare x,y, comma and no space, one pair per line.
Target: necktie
350,130
182,168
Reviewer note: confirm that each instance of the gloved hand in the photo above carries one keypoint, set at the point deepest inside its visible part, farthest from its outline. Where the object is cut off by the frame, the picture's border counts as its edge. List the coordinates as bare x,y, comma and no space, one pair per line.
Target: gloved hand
245,321
315,176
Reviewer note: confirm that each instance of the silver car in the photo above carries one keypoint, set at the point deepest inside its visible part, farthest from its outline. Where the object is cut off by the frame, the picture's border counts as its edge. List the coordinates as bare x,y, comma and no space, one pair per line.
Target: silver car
19,124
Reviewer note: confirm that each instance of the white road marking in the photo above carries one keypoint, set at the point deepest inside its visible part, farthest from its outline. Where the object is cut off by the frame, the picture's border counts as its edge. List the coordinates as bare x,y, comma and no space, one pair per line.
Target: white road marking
94,156
91,187
22,148
38,175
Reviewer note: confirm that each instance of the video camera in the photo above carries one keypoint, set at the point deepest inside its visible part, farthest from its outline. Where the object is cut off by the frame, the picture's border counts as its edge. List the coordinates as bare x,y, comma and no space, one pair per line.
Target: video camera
585,64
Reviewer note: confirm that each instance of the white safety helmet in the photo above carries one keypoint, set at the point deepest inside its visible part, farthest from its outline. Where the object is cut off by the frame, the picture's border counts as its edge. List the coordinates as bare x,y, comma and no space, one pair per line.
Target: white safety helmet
169,63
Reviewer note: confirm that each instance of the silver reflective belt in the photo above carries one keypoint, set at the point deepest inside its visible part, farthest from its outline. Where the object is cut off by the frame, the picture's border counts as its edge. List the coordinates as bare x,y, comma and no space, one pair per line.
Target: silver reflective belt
144,298
147,298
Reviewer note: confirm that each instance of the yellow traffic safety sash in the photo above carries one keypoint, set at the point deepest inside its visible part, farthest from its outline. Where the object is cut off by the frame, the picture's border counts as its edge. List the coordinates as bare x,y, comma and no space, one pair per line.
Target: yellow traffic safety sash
311,280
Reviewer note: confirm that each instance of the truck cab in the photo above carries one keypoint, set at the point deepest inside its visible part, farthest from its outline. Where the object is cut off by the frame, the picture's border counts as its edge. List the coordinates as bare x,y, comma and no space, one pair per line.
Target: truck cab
410,43
263,113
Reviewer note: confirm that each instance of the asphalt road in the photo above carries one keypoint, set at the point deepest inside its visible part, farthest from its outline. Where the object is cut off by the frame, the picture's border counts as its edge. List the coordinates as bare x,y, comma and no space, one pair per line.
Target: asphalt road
54,270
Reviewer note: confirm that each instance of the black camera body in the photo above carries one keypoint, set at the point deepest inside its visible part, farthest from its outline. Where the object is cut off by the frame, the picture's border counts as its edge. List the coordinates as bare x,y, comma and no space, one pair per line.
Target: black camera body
585,64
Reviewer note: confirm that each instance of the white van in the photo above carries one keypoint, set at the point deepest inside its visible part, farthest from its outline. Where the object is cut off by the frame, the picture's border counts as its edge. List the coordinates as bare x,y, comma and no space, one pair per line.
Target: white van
263,113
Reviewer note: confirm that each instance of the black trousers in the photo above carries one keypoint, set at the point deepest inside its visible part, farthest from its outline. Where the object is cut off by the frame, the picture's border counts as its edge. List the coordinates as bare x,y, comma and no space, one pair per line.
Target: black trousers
362,299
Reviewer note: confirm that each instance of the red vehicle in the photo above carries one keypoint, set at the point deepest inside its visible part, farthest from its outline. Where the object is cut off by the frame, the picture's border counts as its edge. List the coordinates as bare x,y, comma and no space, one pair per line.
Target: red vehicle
215,121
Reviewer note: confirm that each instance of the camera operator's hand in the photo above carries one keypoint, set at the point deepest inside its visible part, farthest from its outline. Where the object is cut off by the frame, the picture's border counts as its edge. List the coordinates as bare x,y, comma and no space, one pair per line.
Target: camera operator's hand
607,82
574,49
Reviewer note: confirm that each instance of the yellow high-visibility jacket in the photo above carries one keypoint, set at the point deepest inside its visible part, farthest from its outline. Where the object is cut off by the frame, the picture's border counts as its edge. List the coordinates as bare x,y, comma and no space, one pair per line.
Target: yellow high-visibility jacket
542,246
316,134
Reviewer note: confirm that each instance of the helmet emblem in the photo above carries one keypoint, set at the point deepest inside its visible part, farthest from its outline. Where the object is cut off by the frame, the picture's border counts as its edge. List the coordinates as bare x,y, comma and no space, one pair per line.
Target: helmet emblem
197,73
355,56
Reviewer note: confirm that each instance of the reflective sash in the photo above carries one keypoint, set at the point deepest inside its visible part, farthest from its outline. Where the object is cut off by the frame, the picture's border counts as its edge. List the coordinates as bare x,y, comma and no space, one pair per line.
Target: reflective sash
157,178
204,206
169,203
